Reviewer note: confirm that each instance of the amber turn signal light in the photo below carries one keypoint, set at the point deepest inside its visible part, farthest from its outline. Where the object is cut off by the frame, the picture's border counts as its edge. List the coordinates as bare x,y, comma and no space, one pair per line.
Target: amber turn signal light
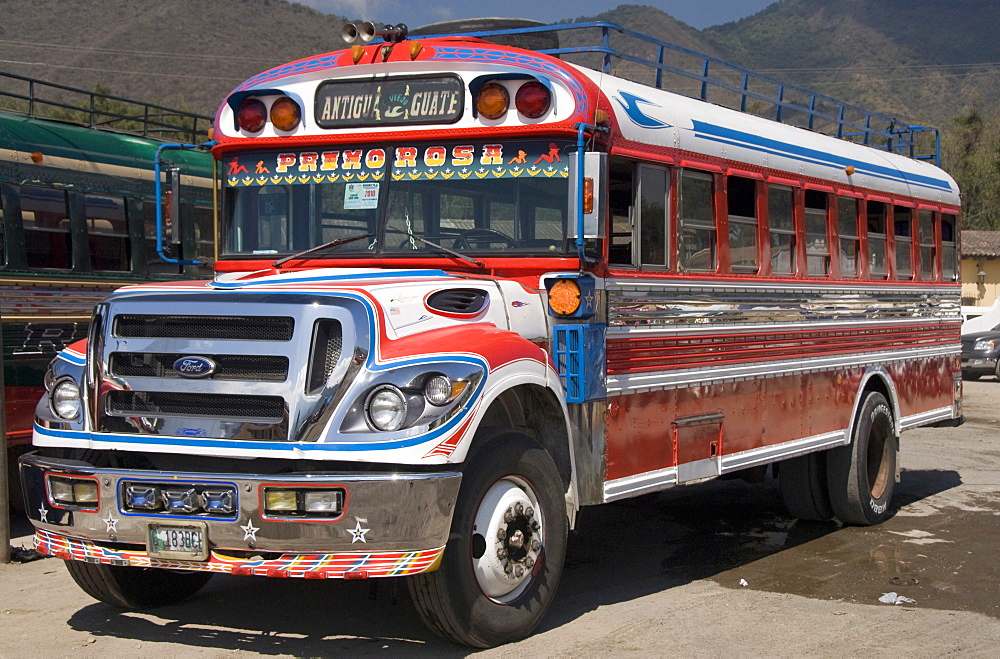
564,297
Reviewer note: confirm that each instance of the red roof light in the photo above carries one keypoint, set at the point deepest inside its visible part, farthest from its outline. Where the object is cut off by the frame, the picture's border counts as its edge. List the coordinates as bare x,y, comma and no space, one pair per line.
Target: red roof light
533,99
251,115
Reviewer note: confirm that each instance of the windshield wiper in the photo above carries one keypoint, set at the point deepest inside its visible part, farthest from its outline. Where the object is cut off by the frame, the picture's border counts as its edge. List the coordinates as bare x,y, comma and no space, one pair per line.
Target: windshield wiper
319,248
442,248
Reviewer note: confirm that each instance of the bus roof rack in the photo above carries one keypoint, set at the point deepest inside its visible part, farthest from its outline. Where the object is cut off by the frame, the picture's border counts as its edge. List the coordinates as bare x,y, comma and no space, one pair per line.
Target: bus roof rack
39,99
619,51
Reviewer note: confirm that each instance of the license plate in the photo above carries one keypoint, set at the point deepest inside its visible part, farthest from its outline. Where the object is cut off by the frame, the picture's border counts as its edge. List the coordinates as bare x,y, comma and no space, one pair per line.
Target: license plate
186,541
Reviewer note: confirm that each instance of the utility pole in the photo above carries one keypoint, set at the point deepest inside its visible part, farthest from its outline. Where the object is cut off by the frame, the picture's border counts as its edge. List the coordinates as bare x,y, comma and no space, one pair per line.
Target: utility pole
4,470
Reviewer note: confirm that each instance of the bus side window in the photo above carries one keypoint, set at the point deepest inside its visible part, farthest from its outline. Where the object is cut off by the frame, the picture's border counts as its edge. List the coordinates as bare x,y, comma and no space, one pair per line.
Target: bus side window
654,184
903,232
45,218
949,247
781,222
928,249
876,239
817,233
621,194
204,234
741,196
107,233
3,243
696,223
847,229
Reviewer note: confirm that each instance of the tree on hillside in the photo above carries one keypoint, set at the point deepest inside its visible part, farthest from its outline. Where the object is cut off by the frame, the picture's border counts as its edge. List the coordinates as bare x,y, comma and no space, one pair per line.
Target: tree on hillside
971,153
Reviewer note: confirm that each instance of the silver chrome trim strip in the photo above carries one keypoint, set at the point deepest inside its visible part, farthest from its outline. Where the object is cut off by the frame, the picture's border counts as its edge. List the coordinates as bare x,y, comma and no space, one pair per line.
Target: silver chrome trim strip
640,382
922,419
630,486
784,451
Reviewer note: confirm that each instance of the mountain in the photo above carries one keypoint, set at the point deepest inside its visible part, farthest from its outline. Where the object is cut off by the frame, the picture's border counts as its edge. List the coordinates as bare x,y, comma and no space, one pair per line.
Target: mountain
922,59
186,54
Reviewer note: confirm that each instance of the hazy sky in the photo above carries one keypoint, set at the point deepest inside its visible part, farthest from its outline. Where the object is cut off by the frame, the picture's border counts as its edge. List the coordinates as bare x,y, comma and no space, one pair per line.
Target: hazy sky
696,13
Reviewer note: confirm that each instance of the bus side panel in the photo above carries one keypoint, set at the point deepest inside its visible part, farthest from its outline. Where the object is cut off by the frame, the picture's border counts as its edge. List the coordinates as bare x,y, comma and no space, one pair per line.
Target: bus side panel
923,385
642,427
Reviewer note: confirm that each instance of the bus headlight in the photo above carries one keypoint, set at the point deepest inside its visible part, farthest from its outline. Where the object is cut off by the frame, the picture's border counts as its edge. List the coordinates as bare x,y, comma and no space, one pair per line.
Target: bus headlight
66,400
386,408
440,389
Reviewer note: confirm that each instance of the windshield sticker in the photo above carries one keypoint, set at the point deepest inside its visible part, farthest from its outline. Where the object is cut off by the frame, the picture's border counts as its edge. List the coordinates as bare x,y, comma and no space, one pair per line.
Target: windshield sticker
406,163
360,196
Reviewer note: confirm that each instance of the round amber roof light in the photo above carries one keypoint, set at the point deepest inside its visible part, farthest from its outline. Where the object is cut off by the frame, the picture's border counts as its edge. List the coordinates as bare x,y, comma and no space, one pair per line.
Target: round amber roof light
492,100
285,114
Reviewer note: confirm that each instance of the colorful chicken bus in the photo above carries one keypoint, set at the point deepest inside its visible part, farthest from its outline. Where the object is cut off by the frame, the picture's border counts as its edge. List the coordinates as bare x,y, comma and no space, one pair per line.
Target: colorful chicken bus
466,289
78,220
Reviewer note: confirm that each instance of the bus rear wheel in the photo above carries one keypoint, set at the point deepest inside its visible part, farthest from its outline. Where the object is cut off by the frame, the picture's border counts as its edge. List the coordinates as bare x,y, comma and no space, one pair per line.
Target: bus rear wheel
505,554
130,587
862,476
804,488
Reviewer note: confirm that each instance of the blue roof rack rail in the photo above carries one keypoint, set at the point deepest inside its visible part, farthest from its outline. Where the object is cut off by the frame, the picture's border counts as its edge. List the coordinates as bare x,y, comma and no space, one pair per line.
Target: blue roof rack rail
641,58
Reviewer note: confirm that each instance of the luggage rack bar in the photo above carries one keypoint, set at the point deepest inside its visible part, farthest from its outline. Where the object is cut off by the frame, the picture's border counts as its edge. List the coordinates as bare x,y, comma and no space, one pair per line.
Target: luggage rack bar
714,80
39,99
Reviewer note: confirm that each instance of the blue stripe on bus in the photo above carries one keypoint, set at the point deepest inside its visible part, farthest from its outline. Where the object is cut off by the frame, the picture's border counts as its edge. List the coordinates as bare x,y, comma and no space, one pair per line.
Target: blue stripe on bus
769,146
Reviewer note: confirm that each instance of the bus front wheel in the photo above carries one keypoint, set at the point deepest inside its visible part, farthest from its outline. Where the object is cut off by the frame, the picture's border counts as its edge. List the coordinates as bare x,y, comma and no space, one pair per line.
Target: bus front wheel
503,560
129,587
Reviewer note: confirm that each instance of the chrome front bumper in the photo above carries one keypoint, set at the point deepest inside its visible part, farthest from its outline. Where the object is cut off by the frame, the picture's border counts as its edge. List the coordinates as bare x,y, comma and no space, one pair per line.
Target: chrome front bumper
984,364
392,524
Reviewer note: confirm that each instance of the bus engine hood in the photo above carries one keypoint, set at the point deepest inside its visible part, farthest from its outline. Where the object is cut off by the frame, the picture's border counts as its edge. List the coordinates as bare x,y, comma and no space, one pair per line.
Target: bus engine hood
410,302
302,364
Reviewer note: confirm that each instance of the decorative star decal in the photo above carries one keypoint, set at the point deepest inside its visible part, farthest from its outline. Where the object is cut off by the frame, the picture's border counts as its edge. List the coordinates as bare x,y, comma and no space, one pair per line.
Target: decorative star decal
42,512
110,521
358,533
250,531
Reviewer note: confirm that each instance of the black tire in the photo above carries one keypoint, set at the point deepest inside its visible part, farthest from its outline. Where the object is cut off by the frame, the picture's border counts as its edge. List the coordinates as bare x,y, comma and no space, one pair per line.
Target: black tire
135,587
862,476
804,488
15,495
508,470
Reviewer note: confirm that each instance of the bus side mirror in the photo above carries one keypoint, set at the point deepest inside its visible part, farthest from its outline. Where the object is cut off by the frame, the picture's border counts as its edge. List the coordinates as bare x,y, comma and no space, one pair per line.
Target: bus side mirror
174,207
588,195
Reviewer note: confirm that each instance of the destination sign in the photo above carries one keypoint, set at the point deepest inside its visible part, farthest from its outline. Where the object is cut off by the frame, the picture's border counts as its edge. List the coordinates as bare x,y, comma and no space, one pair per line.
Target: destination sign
389,101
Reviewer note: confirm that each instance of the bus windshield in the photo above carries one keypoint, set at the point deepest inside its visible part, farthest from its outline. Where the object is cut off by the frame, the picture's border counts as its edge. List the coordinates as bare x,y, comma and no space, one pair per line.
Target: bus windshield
482,199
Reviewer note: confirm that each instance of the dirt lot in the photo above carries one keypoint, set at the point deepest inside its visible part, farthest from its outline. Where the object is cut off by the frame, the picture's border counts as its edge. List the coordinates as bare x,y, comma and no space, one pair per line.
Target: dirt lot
650,576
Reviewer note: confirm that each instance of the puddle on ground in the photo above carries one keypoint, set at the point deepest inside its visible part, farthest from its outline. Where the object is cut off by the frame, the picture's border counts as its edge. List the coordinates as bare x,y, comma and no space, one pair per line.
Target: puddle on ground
944,557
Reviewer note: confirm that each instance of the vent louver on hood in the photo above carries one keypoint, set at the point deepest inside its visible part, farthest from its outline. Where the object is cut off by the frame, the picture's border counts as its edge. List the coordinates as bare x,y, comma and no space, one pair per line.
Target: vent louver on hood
460,301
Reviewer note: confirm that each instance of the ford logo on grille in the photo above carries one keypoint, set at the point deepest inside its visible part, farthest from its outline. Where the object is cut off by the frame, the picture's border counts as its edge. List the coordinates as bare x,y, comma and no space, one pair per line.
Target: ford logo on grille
195,367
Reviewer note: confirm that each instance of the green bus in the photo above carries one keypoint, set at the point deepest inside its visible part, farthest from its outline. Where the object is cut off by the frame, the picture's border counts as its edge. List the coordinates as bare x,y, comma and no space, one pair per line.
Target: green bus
78,220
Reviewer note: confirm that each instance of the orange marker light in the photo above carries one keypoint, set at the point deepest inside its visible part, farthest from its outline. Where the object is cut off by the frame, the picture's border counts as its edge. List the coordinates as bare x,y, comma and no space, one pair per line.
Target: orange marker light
492,100
285,114
588,196
564,297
